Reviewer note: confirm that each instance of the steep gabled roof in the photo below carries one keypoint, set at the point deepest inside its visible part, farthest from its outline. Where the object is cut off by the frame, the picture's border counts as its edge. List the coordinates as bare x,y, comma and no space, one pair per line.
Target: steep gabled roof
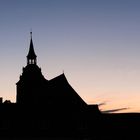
64,93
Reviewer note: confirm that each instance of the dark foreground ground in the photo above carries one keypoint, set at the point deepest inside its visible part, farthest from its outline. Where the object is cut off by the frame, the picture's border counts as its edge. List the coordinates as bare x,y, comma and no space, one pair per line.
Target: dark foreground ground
19,123
102,127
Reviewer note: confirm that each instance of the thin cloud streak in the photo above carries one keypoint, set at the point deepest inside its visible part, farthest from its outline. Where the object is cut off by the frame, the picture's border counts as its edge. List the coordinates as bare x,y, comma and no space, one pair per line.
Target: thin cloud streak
114,110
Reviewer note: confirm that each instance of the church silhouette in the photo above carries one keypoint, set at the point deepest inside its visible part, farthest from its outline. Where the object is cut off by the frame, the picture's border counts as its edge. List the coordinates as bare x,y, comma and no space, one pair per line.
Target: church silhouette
44,107
52,109
34,90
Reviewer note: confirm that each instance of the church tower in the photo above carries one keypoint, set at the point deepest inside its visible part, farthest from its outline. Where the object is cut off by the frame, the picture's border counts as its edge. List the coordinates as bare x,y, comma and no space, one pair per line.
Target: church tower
31,57
31,83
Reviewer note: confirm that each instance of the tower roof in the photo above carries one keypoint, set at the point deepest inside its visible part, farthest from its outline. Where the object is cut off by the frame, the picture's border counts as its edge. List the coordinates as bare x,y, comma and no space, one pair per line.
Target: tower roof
31,53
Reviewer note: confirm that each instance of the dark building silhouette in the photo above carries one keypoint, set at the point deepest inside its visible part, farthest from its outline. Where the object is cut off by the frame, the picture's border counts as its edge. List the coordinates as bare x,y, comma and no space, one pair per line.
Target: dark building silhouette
52,109
51,105
34,89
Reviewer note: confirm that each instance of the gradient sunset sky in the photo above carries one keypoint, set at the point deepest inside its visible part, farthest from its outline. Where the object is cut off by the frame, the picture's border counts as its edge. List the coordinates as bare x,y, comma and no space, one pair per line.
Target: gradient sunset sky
95,42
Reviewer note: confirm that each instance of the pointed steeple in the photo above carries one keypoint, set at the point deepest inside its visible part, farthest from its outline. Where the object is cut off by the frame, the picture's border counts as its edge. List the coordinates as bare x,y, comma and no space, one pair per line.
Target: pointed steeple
31,57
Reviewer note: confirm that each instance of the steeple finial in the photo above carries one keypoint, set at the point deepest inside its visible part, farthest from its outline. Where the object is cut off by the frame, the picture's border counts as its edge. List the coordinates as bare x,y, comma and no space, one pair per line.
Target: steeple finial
31,33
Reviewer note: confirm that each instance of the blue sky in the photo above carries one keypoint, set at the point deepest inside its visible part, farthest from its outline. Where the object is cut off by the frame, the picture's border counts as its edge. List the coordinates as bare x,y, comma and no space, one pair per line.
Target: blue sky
95,42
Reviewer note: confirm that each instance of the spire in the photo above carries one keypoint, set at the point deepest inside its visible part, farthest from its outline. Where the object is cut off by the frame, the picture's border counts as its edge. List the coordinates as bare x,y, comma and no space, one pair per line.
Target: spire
31,57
